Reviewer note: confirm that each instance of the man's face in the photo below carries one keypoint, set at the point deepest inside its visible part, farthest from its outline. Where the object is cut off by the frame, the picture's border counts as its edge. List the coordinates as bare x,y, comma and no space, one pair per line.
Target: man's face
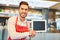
23,10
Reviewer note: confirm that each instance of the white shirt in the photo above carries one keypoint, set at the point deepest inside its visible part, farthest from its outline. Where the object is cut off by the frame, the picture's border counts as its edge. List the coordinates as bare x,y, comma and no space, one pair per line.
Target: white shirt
12,31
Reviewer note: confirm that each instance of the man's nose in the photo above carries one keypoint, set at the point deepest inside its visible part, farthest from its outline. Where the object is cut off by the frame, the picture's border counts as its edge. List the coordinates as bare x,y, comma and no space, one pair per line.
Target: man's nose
24,11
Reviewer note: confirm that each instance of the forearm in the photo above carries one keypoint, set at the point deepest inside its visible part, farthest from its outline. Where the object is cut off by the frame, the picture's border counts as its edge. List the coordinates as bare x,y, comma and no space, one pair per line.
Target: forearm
18,35
14,35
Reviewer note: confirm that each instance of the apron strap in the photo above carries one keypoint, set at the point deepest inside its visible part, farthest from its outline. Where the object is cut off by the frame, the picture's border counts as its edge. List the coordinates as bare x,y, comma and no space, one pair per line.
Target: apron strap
16,20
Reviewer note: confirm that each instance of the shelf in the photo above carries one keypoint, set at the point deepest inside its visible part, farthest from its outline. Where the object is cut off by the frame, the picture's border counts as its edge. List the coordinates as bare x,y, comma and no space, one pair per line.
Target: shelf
3,14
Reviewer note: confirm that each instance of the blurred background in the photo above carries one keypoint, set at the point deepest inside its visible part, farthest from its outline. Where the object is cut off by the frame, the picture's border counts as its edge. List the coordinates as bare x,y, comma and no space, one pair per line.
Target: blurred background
48,10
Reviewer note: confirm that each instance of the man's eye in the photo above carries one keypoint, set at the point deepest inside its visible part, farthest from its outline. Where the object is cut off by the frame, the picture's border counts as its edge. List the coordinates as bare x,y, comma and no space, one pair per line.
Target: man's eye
22,8
25,9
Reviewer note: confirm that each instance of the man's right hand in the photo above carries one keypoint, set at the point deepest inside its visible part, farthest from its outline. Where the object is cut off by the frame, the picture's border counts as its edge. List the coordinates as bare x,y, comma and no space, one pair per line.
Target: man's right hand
32,33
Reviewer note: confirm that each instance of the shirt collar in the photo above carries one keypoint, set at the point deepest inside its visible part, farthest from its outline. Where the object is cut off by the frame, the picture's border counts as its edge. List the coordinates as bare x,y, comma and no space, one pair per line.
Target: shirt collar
20,20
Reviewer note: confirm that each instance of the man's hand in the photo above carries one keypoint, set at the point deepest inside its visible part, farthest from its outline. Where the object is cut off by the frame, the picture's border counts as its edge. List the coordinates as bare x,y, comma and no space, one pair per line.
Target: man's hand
32,33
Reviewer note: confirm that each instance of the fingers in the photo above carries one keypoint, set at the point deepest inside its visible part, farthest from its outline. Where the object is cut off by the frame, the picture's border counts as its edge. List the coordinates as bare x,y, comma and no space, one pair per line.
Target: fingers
32,33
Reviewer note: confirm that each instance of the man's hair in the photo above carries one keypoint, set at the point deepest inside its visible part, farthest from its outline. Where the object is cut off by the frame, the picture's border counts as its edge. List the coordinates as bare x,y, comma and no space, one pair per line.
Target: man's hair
23,3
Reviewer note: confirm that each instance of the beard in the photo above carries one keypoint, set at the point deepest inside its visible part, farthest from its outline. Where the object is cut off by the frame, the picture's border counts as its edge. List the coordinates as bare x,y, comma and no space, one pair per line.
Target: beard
23,15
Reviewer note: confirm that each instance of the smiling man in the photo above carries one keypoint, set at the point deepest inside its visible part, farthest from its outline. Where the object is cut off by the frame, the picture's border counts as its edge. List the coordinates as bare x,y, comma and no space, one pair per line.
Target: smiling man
18,25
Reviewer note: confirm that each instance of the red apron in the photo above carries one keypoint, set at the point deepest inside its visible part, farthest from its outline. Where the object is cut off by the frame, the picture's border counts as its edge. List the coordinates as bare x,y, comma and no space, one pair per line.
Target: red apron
20,29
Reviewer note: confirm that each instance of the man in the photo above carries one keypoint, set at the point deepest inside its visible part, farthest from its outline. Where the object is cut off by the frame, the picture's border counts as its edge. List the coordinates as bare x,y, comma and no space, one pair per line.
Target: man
18,25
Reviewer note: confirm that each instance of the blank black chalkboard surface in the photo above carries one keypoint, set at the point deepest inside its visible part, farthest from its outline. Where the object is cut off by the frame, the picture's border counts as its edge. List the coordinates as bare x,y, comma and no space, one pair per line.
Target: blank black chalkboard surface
39,25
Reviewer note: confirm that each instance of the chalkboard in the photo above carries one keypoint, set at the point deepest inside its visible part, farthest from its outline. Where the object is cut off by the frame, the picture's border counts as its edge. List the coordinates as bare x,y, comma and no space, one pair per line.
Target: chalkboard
39,25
